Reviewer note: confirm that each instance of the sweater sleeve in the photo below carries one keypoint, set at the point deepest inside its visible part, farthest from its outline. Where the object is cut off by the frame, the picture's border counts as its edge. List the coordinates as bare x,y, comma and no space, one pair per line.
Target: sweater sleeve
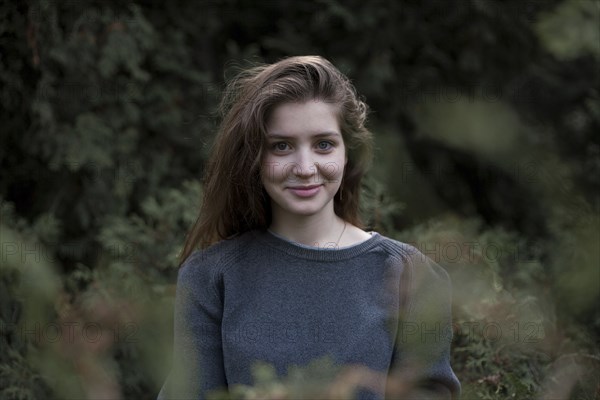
421,363
197,349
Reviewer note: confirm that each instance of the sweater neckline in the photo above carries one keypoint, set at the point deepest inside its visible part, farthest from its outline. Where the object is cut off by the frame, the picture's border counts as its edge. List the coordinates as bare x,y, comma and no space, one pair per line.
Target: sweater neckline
300,250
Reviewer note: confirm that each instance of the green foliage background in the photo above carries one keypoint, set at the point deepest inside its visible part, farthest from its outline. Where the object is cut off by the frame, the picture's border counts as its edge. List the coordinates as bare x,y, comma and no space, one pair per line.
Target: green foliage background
486,116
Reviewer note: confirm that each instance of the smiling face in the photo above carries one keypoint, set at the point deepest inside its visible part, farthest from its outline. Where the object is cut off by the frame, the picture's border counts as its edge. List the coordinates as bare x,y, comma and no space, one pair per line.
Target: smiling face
304,160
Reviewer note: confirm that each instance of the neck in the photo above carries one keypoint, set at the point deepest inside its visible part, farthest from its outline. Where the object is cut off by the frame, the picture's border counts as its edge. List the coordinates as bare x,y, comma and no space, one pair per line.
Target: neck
312,230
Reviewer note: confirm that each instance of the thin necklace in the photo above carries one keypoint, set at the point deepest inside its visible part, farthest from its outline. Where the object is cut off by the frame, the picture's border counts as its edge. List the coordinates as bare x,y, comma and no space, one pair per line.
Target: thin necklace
343,230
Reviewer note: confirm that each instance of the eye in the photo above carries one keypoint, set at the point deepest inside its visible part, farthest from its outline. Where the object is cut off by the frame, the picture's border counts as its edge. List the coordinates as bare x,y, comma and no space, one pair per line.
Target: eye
279,146
325,145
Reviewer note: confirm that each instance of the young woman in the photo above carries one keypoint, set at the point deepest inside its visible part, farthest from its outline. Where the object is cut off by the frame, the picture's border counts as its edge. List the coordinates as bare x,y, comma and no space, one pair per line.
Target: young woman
278,268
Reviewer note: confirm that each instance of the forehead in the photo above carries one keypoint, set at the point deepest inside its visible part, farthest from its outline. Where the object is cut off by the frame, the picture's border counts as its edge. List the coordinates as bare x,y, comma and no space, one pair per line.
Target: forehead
310,117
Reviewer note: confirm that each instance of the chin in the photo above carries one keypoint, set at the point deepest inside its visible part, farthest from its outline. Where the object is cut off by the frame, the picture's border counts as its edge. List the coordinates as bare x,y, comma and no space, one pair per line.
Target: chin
302,208
304,211
290,205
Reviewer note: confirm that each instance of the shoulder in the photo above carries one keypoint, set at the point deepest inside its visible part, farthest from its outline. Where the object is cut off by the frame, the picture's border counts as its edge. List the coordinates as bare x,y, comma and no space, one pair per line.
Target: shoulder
415,263
207,264
425,286
404,251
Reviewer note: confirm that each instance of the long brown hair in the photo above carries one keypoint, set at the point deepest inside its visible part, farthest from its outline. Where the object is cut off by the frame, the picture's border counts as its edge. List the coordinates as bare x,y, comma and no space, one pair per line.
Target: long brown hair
234,200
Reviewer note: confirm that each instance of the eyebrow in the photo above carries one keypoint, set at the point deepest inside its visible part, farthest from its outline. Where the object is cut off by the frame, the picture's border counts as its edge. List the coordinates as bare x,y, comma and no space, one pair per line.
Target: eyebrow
318,135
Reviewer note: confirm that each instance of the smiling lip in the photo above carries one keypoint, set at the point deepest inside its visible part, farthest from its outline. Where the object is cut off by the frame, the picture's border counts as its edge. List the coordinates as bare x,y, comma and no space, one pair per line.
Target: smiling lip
305,191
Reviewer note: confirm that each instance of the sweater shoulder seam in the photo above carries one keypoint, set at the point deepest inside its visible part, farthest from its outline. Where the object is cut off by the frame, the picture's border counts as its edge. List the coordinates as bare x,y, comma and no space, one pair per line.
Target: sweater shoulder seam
217,259
404,252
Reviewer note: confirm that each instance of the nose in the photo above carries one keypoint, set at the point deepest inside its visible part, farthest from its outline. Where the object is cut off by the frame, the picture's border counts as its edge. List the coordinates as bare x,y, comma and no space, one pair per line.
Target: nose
304,166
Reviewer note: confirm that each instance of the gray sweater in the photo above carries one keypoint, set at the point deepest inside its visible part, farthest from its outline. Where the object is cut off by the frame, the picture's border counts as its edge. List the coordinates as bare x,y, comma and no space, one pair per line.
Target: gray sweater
379,304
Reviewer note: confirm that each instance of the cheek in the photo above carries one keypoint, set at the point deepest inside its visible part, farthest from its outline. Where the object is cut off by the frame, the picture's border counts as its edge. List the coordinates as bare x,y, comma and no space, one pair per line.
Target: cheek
332,170
271,172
